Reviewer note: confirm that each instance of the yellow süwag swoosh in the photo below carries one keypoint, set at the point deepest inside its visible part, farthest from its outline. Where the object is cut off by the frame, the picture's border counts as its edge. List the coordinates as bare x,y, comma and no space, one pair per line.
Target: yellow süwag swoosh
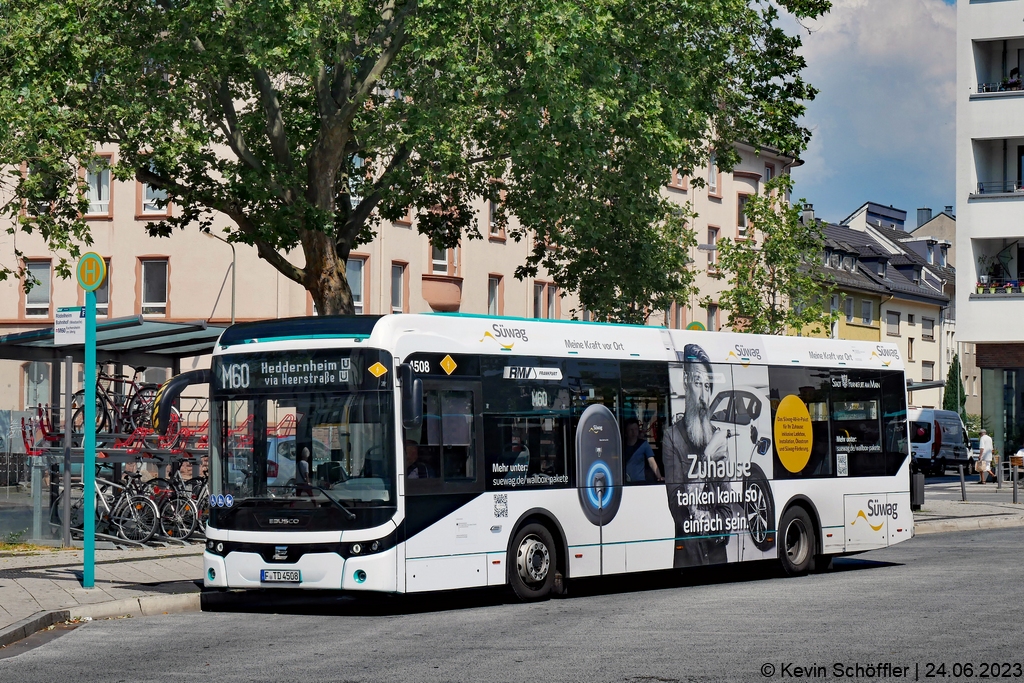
506,347
860,513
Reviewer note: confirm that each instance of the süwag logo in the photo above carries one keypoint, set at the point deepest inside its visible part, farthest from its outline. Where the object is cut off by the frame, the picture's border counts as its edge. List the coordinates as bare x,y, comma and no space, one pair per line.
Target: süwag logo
877,509
744,354
882,353
498,332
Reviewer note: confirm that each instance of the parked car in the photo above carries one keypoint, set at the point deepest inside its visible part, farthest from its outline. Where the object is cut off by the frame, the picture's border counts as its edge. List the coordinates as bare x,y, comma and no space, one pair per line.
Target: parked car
938,440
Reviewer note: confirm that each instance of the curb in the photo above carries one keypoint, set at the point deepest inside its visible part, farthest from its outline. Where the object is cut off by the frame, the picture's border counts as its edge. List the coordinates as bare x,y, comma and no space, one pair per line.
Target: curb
28,626
968,523
144,606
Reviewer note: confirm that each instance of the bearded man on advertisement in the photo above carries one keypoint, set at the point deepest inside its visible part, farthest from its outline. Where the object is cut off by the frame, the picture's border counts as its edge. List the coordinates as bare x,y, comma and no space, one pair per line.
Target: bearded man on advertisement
692,445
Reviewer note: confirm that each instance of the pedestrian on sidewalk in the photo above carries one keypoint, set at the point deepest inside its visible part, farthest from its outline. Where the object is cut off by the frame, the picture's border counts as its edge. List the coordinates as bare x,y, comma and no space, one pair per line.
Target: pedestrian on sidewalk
985,460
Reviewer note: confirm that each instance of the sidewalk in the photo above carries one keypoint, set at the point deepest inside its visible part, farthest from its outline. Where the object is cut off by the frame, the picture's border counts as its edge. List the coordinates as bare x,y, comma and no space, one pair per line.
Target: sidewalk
38,589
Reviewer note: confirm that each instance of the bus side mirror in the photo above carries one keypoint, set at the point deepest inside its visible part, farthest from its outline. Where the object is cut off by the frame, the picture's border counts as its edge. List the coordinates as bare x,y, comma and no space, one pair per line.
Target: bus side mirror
412,397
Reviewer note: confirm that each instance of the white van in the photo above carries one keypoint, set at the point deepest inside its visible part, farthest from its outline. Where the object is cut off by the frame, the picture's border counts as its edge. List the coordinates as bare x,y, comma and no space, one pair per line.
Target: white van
938,440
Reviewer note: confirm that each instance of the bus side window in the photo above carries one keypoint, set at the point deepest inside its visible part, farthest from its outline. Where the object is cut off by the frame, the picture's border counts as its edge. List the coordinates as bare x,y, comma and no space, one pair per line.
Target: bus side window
458,452
645,393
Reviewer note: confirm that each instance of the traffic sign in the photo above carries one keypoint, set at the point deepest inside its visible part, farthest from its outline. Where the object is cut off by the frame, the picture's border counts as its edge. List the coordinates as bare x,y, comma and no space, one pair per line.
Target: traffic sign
695,325
92,271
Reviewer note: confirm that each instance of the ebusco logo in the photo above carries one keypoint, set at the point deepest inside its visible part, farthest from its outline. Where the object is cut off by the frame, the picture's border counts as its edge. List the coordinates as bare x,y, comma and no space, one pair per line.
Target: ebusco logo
876,510
744,354
882,353
502,332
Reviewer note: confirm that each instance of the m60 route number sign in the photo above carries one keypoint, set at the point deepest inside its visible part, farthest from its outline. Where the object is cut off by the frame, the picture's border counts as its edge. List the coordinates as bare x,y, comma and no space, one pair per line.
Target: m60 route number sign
92,271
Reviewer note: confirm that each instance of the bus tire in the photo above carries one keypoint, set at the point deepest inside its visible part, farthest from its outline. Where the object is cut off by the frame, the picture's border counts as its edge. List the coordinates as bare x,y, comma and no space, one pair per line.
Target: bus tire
796,541
759,509
532,563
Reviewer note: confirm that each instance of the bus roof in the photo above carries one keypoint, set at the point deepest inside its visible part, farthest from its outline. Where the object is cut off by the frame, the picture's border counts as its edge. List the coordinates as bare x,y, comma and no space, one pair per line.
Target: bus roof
462,333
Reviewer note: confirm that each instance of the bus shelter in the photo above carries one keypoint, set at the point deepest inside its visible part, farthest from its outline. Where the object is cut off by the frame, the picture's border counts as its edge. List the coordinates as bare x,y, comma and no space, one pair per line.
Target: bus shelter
120,342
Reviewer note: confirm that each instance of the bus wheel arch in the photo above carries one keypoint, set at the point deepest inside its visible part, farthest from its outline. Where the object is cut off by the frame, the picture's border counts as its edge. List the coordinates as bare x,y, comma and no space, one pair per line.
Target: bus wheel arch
538,539
799,537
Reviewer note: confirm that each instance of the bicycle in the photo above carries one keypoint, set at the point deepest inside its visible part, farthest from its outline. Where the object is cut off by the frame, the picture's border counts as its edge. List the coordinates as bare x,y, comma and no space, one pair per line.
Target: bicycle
121,509
123,404
179,511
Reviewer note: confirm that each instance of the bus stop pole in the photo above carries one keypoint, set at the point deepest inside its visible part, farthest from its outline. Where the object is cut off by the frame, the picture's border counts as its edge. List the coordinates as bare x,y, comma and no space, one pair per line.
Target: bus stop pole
89,443
66,511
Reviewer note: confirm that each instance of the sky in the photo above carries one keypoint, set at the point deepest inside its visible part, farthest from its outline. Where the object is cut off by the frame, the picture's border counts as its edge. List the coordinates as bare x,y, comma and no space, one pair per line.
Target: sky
882,125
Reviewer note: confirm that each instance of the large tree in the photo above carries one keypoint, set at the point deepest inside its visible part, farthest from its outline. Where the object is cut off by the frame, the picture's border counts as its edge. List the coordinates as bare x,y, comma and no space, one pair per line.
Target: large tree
775,282
308,122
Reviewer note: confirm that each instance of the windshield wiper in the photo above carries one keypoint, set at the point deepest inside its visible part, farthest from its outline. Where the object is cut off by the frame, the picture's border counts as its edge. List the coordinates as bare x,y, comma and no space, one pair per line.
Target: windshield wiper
292,494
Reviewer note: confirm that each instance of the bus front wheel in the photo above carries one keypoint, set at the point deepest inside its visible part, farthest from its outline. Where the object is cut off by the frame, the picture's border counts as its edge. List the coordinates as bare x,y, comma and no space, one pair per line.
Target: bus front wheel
532,563
796,547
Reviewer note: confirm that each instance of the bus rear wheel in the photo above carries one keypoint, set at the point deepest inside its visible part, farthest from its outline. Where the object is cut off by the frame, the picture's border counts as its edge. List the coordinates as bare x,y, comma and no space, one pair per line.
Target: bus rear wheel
532,562
796,547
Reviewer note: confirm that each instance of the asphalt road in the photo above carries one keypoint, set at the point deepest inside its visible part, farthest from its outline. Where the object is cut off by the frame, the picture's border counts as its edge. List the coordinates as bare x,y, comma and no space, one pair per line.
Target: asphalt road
916,605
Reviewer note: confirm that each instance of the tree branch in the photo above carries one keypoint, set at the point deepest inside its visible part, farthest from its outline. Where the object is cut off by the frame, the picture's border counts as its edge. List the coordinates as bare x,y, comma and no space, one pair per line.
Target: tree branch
366,206
275,119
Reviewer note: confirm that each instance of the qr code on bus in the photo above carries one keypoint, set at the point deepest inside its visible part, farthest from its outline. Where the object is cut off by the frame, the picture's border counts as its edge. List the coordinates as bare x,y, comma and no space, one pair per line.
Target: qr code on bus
501,505
842,464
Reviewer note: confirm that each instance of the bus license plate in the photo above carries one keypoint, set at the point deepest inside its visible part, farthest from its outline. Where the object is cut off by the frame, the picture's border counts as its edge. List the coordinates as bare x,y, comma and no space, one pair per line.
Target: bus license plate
280,576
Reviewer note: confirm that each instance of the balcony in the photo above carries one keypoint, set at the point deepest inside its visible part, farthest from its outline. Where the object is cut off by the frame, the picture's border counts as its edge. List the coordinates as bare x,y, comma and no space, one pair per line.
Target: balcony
998,168
997,65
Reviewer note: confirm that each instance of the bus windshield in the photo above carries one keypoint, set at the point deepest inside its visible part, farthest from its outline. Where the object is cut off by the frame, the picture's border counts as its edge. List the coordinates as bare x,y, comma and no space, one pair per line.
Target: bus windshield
325,454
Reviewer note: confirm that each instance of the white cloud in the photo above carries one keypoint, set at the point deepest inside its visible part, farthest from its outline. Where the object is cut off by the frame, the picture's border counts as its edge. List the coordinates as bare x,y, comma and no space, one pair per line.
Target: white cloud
883,121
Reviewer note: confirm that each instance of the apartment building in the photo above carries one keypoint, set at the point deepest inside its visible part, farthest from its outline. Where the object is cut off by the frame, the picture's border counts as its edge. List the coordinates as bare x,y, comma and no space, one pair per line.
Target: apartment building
883,291
990,207
719,208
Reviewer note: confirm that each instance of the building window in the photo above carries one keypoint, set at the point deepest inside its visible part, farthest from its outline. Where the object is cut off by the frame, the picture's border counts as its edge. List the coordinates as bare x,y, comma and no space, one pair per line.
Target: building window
712,176
678,181
153,201
545,296
741,212
849,309
154,287
37,300
769,172
866,312
97,181
910,318
712,247
910,348
439,260
495,291
836,260
848,262
353,184
355,270
928,329
398,287
892,323
713,317
493,228
585,315
103,293
927,371
880,268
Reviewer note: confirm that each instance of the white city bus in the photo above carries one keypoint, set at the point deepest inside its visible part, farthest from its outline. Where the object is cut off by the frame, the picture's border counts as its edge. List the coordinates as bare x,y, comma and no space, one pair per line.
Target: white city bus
435,452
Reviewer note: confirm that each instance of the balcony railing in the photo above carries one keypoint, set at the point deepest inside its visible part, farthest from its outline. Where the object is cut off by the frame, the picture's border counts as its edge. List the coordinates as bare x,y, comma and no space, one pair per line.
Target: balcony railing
999,186
1004,86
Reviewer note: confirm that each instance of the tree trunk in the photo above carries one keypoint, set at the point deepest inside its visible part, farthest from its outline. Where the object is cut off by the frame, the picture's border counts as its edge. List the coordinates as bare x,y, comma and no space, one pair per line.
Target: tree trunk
326,275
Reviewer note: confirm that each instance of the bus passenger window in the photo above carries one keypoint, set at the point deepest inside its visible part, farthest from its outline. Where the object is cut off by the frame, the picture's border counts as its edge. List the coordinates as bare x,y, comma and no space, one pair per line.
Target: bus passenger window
445,444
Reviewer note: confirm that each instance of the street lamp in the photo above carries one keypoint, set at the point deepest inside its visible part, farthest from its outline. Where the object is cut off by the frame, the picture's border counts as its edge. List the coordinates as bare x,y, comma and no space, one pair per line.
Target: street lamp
230,244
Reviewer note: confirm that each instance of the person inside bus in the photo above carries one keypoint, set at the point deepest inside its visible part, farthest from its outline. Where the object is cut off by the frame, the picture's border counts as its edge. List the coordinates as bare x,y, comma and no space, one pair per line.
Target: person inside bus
302,486
641,467
414,467
691,445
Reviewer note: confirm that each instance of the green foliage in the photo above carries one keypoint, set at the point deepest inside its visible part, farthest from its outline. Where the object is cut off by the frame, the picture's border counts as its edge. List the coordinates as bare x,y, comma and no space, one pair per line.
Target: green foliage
975,424
954,397
775,283
280,114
